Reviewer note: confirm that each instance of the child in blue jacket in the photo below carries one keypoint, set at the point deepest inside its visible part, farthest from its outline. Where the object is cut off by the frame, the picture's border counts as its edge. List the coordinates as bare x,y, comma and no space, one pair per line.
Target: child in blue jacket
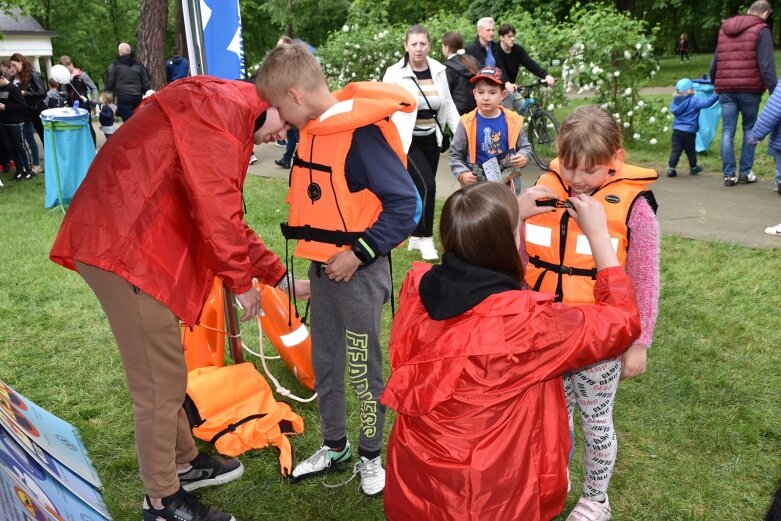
686,110
769,122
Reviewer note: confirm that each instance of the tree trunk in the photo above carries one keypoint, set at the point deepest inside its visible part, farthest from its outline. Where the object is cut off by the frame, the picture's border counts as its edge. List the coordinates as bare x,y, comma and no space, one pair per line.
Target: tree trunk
152,23
289,19
180,35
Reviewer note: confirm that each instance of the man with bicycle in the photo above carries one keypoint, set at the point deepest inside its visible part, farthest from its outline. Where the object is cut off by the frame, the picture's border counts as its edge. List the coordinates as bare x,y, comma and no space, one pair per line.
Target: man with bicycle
510,59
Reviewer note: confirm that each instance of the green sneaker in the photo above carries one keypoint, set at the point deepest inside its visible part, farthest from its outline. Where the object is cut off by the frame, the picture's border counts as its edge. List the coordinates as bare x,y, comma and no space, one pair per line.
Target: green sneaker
321,461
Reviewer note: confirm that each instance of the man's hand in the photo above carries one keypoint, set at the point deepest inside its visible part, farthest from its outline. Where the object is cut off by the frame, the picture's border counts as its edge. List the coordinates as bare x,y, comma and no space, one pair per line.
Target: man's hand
341,266
250,301
550,80
510,87
633,362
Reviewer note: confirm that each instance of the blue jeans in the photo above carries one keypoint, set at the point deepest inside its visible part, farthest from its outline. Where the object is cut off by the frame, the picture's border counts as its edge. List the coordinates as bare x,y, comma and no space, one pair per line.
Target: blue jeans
732,103
777,157
292,141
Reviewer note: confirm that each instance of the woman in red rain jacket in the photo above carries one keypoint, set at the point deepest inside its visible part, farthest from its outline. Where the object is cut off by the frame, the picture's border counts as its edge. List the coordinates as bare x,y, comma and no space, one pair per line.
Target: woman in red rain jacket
481,432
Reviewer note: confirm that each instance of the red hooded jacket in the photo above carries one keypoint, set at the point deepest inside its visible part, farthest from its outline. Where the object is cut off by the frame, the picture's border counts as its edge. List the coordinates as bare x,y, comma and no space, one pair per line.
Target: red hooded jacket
736,59
161,205
481,431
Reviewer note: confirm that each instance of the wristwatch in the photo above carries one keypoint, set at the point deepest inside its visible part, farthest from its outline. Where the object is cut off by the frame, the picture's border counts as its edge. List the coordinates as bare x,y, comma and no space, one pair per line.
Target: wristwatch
358,252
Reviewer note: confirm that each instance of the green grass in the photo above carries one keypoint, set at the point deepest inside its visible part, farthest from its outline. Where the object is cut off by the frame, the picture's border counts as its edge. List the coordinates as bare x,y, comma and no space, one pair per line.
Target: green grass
698,434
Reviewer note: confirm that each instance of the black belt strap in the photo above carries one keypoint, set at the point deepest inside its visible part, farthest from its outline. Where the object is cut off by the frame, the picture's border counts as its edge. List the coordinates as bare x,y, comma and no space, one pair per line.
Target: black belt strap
232,426
297,161
308,233
564,270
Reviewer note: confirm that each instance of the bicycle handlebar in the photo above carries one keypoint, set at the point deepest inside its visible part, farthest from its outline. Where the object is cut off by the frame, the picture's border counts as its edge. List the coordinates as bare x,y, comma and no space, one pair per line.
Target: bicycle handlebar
532,85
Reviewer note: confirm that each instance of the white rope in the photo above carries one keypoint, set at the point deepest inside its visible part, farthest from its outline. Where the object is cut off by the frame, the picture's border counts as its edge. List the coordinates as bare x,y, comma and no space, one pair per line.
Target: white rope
278,387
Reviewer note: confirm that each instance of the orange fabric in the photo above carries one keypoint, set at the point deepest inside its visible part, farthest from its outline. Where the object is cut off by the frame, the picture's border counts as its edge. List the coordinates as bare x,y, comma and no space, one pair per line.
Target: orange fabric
289,336
204,344
542,234
225,395
481,429
514,127
161,205
326,143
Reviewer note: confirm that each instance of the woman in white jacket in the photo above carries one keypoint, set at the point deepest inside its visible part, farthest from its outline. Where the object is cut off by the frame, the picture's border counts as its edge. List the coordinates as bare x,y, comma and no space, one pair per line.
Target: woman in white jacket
421,130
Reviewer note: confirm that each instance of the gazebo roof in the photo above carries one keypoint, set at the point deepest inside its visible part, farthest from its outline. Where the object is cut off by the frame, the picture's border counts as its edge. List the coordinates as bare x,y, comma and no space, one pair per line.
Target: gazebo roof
16,22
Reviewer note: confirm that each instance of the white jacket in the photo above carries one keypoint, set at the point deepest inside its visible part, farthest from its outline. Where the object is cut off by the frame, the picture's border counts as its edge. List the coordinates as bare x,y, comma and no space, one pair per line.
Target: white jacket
405,121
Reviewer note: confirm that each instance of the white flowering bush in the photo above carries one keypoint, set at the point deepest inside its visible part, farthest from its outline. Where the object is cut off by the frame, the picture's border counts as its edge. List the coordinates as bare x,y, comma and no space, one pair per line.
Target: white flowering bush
612,57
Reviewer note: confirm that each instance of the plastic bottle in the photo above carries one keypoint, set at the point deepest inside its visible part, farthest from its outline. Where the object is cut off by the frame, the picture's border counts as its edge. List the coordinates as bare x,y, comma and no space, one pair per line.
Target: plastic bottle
76,106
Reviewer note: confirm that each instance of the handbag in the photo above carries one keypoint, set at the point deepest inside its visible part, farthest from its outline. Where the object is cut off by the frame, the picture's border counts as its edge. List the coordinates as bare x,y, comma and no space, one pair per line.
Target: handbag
445,137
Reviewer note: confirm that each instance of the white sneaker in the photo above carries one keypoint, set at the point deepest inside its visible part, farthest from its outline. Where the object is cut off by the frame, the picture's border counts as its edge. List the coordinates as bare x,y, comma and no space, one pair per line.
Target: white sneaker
321,461
1,182
425,245
590,510
253,159
774,230
372,476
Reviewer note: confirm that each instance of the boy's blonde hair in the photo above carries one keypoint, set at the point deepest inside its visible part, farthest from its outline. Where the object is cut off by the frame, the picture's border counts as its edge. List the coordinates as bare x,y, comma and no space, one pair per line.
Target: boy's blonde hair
287,66
106,98
589,137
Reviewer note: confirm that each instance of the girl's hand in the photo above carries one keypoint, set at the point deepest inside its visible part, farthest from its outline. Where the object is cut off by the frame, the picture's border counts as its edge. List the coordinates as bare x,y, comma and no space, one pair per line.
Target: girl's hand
590,216
467,178
527,201
633,362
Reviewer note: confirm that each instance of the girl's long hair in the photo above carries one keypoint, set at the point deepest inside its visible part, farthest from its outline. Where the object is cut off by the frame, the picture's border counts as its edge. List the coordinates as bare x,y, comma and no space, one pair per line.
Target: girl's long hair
455,42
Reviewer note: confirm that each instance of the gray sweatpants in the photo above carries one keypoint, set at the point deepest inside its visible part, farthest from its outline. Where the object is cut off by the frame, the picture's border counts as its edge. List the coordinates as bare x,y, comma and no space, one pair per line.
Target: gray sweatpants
345,328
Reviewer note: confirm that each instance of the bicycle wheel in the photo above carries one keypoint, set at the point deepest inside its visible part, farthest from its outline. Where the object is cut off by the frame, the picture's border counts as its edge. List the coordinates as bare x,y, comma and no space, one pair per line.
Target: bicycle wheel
543,135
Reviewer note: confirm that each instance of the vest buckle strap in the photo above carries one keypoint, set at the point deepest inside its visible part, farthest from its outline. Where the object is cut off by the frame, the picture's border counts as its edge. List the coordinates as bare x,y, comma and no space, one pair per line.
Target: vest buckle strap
562,269
297,161
309,233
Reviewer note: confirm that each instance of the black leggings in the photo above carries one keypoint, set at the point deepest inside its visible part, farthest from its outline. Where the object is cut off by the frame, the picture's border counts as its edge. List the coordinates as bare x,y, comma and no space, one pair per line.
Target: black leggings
422,161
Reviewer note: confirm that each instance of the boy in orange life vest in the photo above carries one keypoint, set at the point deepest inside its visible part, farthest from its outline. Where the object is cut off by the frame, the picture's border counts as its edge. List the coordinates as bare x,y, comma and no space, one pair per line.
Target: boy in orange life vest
487,132
351,201
591,162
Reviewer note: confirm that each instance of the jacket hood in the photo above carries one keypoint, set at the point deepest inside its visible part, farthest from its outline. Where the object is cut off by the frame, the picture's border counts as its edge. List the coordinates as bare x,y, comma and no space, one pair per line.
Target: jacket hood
737,24
456,65
127,59
454,287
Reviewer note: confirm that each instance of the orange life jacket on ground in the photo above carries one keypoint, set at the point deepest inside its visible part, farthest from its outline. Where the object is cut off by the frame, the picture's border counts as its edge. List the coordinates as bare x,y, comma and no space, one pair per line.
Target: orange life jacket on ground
560,259
236,411
325,217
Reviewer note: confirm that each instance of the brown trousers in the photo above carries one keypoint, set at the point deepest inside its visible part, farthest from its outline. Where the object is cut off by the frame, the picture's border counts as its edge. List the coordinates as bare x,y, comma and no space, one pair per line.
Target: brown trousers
150,344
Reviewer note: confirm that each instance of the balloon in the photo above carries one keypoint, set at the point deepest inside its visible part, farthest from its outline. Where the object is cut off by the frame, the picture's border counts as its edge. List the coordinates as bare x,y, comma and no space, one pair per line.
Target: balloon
60,74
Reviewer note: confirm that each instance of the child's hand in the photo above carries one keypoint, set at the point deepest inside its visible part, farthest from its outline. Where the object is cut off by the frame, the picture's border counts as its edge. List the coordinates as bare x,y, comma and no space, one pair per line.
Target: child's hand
518,161
2,106
527,201
589,214
302,289
633,362
467,178
342,266
751,141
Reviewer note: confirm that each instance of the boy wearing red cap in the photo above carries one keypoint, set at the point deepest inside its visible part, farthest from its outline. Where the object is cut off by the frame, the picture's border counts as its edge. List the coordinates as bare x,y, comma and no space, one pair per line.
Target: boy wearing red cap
485,135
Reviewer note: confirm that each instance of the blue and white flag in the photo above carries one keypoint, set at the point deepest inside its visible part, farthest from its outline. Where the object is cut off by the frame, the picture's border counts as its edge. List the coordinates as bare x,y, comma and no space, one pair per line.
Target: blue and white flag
223,45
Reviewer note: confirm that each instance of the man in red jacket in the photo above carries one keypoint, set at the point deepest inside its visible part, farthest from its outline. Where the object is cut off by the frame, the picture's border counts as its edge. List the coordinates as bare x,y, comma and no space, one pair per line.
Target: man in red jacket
742,68
157,217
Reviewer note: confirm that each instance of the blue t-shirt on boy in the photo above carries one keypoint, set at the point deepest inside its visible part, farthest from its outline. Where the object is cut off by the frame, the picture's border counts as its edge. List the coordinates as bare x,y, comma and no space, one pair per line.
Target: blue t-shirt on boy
491,137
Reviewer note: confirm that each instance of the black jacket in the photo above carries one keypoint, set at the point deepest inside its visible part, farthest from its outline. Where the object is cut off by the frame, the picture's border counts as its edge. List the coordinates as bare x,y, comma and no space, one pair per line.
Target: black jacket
478,51
15,105
127,77
511,62
35,94
458,77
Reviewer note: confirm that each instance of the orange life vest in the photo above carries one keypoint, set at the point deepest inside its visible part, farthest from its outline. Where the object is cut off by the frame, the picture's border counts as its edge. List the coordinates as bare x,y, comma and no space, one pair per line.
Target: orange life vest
236,411
560,259
325,217
514,127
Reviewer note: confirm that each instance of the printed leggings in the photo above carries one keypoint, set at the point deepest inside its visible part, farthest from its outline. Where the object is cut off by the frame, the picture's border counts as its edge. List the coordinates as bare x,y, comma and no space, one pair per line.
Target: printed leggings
593,390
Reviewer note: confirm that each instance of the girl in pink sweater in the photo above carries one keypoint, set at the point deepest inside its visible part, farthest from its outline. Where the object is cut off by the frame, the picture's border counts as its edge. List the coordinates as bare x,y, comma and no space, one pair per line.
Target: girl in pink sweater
558,259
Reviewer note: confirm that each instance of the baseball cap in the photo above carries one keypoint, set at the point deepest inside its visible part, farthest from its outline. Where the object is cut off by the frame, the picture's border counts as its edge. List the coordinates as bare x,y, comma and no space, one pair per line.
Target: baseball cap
492,74
684,84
